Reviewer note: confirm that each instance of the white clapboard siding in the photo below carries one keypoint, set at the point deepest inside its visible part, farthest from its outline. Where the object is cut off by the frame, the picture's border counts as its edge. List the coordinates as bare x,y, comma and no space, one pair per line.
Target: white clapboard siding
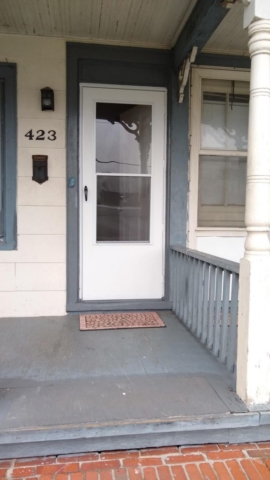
33,277
155,23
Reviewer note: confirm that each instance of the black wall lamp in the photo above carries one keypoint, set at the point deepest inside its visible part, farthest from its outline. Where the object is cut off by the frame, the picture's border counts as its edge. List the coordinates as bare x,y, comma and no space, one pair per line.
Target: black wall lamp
47,98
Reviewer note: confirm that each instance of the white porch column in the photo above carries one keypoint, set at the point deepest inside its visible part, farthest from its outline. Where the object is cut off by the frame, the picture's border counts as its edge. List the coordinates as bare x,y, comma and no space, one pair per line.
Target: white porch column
253,353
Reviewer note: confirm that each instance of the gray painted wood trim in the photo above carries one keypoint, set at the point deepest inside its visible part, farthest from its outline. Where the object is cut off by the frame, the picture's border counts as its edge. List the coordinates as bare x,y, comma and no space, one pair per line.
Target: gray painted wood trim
132,427
265,418
205,257
8,72
203,21
244,435
119,305
231,429
225,435
230,61
105,53
136,67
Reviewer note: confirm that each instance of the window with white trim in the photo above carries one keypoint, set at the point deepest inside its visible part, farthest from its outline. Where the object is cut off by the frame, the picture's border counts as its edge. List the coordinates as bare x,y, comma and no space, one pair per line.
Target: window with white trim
222,153
219,133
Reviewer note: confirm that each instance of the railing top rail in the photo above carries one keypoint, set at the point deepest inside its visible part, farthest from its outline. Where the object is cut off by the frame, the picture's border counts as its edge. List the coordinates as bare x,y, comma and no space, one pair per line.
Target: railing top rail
205,257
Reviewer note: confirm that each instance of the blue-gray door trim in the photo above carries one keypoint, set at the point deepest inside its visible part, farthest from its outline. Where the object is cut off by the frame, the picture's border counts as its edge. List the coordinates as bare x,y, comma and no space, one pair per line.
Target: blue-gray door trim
136,67
8,74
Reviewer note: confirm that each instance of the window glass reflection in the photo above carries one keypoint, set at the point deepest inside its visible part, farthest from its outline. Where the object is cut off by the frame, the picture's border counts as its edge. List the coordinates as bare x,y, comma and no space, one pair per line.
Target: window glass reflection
222,191
123,209
224,121
123,138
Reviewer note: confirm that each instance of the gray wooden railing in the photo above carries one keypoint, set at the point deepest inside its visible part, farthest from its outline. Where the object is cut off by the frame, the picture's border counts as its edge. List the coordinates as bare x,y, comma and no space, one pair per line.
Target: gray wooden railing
205,298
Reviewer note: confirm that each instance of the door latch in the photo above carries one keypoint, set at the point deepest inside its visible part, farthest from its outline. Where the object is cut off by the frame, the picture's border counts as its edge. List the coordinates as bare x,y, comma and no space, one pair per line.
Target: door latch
86,193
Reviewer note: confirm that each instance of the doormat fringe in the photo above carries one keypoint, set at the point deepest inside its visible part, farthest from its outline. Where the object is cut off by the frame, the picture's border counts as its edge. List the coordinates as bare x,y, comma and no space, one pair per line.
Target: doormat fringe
108,321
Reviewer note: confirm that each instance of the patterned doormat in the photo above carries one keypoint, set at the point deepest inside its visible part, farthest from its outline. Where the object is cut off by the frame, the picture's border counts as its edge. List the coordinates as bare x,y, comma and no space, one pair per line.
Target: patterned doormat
108,321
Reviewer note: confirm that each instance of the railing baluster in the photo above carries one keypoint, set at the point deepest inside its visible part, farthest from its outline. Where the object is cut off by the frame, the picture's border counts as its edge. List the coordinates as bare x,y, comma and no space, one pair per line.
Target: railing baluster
212,291
182,286
182,307
195,296
205,302
177,282
233,324
174,280
225,316
199,300
181,273
185,316
200,294
219,275
190,290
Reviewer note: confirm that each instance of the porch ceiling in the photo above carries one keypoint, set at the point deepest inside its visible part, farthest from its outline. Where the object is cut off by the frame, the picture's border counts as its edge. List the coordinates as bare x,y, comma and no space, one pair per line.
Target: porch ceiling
230,37
147,23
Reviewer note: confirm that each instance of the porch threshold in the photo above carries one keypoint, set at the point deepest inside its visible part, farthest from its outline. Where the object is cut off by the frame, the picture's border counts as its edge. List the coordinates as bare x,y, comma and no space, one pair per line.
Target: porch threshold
65,391
118,305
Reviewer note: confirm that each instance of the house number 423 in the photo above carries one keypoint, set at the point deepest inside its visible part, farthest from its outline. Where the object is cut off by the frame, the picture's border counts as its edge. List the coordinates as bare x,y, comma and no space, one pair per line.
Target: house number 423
41,135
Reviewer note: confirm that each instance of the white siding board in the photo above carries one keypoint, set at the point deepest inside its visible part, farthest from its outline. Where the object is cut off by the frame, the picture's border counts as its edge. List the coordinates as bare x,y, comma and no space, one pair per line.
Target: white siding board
231,248
32,304
40,276
37,249
40,220
7,277
7,304
41,73
51,192
19,48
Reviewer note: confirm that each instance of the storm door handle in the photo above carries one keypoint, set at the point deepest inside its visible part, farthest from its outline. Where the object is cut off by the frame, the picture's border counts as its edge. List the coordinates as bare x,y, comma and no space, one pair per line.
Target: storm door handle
86,193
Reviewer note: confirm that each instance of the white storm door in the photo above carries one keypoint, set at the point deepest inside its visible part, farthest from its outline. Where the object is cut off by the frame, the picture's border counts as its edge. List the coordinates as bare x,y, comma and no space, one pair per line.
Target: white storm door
122,193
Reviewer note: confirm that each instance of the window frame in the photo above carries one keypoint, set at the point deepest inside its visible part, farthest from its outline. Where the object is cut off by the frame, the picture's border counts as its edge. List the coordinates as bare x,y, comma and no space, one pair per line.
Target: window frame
198,74
8,74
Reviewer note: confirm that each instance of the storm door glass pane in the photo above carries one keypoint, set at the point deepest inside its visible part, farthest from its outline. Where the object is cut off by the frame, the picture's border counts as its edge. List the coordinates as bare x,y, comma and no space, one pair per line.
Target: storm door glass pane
1,159
123,208
123,138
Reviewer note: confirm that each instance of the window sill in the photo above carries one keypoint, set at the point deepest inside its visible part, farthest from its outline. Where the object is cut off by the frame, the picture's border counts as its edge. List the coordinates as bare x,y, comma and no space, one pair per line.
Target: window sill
220,232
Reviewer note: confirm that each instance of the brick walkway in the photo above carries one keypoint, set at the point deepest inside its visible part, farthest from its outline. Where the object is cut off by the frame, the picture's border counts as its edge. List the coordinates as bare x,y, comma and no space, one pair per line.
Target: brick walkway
210,462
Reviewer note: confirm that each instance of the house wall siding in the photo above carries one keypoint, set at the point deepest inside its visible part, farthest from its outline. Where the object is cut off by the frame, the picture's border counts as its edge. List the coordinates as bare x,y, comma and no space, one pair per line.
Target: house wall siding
33,277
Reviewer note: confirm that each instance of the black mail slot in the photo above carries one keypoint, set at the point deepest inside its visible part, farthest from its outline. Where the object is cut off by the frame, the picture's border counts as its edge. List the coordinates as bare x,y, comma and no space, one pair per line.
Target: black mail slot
40,168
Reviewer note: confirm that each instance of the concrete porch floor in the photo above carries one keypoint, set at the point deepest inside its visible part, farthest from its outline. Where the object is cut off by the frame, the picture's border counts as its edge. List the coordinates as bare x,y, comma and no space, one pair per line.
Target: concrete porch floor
64,391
